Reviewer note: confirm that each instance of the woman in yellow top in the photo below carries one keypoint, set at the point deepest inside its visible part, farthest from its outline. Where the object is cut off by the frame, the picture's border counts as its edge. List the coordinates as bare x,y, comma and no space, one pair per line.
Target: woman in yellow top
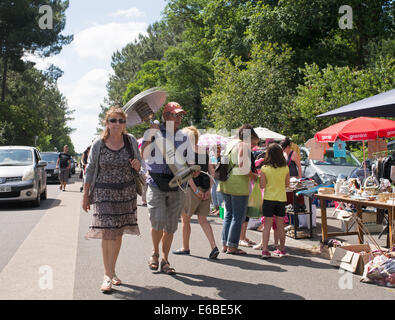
274,179
236,188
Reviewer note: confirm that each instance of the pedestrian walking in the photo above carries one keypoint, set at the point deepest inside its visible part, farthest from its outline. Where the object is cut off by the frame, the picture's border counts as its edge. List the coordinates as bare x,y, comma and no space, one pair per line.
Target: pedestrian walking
216,196
244,240
236,188
63,164
144,173
274,179
111,190
84,162
198,198
164,203
292,157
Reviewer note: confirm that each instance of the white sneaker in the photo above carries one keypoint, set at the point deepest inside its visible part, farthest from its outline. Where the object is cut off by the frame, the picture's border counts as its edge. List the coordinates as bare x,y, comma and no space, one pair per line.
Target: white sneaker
244,243
258,247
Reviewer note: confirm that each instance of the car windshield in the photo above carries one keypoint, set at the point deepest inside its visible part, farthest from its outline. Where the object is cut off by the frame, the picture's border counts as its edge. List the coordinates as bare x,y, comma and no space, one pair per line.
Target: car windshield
330,160
49,157
15,157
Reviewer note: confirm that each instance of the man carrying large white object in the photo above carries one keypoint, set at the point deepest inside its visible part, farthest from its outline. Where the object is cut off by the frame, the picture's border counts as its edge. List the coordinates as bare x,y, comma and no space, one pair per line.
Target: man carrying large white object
166,150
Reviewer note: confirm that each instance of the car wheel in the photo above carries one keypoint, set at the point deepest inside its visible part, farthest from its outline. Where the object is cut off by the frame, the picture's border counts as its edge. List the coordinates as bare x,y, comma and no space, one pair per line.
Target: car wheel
37,202
44,194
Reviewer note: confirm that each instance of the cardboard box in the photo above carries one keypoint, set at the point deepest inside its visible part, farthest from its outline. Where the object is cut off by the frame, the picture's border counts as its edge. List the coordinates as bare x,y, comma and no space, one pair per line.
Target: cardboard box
352,258
369,217
326,252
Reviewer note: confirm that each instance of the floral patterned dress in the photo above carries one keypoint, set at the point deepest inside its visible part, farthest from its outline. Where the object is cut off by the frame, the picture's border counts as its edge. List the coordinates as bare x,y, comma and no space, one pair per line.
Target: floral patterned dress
114,197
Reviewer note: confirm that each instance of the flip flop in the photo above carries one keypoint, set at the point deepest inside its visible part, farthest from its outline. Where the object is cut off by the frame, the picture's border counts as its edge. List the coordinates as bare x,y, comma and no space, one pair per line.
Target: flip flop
181,251
214,253
236,252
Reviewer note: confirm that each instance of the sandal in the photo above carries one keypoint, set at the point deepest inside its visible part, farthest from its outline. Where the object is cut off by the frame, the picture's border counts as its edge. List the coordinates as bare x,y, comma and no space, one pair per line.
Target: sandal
153,262
165,267
106,285
236,252
116,281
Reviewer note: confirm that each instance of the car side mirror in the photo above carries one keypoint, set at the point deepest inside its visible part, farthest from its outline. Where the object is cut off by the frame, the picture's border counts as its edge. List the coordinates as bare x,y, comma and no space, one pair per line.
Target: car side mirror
42,164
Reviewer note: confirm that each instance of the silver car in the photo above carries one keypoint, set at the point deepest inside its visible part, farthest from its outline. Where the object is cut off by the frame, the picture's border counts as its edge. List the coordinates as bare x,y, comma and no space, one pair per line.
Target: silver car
22,175
328,169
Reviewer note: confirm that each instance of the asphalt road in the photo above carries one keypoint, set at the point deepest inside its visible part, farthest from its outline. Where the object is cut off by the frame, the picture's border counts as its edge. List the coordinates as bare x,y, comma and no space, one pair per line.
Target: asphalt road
44,255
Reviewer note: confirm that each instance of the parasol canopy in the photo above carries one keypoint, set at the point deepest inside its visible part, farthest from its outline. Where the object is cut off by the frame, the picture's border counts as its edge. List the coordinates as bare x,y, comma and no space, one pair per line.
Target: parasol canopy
210,139
143,106
358,129
265,133
380,105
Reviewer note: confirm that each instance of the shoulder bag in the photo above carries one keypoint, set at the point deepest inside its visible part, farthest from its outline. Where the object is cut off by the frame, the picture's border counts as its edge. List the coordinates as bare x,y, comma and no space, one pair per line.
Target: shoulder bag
138,177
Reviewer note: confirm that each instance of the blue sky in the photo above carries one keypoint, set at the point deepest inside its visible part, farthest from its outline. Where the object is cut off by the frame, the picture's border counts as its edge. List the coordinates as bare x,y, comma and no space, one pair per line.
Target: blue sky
100,28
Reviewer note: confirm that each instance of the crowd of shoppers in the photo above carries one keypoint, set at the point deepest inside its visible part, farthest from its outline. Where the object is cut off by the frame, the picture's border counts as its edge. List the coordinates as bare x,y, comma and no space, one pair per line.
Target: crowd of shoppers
110,189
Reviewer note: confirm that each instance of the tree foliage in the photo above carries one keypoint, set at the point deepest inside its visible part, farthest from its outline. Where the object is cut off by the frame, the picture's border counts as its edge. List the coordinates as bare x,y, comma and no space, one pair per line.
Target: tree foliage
271,63
32,111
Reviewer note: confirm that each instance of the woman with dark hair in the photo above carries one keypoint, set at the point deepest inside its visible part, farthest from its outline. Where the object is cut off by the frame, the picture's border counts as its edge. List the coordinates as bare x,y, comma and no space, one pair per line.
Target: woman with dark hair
274,179
292,158
237,187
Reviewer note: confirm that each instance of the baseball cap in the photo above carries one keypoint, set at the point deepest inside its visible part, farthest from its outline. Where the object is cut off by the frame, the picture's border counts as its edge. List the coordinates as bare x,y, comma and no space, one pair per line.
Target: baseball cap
173,107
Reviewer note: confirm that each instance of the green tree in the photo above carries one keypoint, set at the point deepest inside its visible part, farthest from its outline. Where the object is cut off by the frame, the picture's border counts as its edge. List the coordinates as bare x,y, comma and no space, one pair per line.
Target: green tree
127,62
333,87
311,29
252,92
20,32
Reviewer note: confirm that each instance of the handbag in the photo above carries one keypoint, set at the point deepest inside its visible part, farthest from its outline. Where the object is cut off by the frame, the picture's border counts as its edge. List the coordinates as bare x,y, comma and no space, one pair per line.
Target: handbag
255,202
138,177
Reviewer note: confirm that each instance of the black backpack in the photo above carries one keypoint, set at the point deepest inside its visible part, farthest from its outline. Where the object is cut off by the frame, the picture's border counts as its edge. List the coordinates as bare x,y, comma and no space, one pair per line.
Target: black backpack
225,166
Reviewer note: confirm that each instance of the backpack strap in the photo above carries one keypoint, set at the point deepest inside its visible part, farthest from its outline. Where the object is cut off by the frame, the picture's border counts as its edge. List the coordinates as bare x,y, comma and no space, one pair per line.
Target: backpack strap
290,158
128,146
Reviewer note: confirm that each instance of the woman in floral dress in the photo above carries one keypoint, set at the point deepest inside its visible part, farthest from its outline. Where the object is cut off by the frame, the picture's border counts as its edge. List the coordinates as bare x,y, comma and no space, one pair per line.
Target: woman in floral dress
110,189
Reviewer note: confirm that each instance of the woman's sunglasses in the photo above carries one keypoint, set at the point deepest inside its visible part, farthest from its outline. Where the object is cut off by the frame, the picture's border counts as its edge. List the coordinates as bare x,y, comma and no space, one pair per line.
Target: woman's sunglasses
114,120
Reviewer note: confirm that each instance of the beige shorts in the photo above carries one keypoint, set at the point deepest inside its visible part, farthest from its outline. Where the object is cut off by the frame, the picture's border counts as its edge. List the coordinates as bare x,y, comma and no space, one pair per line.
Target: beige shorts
193,205
164,208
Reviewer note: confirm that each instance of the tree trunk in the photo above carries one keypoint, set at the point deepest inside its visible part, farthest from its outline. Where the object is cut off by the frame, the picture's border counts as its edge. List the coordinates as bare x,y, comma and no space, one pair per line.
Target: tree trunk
5,63
4,80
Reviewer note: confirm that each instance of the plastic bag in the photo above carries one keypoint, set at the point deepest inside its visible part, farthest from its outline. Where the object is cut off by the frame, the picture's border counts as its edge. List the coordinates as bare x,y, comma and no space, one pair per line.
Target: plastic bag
255,202
380,270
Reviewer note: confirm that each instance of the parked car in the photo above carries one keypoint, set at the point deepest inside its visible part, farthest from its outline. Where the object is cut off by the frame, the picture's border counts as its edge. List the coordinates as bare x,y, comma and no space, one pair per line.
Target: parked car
328,169
50,169
22,175
391,145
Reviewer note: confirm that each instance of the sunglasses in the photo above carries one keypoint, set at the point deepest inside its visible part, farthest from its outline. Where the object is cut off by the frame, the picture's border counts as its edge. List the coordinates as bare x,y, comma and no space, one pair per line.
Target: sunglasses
114,120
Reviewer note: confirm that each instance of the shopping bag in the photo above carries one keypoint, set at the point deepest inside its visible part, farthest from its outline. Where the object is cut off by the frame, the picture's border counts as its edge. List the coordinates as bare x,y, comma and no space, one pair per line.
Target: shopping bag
255,202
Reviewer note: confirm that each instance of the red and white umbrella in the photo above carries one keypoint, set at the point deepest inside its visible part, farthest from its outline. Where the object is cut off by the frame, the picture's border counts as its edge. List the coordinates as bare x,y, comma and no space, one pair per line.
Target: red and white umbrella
358,129
211,139
140,142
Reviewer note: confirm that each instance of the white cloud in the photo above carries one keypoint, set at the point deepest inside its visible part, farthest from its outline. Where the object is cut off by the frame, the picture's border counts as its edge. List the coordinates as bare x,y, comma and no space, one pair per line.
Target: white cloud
102,41
85,96
45,63
128,13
